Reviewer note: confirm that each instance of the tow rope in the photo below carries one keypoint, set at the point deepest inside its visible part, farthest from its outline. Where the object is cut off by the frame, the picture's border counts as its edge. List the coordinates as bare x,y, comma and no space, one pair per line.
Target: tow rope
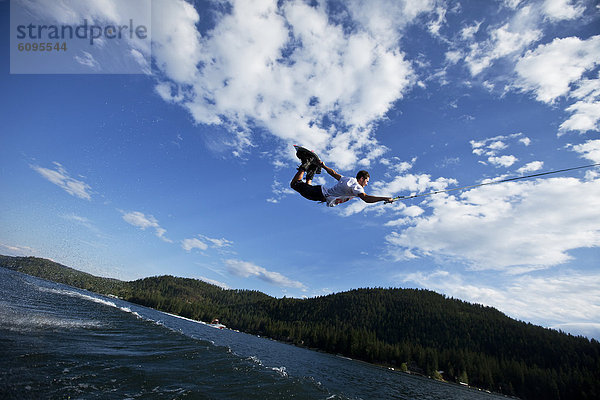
494,182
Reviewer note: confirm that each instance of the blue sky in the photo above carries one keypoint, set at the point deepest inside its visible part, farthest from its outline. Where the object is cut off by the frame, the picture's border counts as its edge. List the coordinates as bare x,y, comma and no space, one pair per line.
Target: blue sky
184,168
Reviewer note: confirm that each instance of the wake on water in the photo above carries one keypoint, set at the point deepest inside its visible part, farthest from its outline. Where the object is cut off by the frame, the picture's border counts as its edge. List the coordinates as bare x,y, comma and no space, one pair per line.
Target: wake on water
60,342
73,337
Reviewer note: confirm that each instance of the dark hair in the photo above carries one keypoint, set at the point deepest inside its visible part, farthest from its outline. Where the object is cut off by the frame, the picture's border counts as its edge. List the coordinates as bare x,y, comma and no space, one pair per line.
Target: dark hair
362,174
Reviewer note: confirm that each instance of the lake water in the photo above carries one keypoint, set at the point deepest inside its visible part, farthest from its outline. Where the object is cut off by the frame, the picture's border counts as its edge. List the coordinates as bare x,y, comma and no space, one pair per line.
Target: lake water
59,342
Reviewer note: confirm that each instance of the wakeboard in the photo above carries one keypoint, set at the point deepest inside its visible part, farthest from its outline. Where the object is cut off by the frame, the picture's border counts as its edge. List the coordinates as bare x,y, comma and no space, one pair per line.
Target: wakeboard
310,161
306,155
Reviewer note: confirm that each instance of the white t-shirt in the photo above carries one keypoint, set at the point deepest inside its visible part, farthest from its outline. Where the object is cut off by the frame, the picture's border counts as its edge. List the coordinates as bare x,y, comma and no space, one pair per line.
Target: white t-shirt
341,192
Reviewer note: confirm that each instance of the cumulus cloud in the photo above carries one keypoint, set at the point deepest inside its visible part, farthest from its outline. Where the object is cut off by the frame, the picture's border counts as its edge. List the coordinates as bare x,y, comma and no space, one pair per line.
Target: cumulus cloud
558,10
531,167
60,177
550,69
407,184
292,69
176,45
557,70
514,227
142,221
526,297
508,39
589,150
246,270
385,19
525,140
396,165
585,112
503,161
490,147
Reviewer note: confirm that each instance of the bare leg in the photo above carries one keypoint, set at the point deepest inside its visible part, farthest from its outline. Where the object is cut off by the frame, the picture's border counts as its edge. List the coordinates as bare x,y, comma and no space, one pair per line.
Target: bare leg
298,177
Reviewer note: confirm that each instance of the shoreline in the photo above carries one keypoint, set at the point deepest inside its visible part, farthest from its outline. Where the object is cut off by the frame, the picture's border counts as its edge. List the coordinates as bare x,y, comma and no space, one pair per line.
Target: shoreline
378,365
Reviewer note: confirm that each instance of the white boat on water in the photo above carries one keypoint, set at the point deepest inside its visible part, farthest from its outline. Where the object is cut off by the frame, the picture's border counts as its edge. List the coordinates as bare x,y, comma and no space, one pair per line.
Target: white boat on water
216,324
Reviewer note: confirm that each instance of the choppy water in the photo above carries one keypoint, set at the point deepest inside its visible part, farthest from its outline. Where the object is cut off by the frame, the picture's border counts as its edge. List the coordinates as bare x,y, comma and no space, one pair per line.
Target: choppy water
58,342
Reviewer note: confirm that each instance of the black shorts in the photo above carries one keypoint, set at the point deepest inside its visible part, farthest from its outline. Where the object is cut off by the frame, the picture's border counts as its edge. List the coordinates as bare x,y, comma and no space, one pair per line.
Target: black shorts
308,191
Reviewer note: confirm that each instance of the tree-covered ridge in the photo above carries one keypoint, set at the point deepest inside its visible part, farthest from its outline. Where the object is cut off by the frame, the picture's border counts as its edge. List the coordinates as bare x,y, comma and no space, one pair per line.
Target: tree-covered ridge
418,330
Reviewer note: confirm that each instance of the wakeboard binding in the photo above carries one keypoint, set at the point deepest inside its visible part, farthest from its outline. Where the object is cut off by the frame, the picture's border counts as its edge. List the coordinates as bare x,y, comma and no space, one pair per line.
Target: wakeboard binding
310,162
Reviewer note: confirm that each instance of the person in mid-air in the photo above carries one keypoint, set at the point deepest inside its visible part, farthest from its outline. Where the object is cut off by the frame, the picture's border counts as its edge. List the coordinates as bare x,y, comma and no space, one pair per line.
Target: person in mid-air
345,189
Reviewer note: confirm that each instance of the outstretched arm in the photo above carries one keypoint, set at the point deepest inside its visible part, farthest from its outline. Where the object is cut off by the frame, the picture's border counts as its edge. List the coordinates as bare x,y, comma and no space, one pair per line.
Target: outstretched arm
331,171
374,199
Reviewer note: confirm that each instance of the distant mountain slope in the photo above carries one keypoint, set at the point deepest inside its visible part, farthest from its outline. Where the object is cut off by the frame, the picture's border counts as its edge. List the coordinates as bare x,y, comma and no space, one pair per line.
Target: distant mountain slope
410,329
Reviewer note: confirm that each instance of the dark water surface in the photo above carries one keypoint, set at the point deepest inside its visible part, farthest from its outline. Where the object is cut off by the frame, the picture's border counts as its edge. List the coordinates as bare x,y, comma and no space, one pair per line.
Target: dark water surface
59,342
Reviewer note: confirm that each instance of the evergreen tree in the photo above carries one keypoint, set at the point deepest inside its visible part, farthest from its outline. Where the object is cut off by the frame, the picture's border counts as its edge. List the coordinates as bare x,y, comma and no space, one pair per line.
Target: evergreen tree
418,330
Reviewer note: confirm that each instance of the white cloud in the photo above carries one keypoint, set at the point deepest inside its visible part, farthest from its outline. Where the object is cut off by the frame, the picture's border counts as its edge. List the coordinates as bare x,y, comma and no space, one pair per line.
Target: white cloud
434,26
62,179
526,141
131,50
292,69
279,191
468,32
143,61
587,329
514,227
586,111
193,243
558,10
142,221
218,243
165,90
88,60
17,250
385,19
176,45
204,242
413,211
512,3
531,167
550,69
215,282
503,161
408,184
586,115
246,270
509,39
497,145
396,166
411,183
526,297
491,146
589,150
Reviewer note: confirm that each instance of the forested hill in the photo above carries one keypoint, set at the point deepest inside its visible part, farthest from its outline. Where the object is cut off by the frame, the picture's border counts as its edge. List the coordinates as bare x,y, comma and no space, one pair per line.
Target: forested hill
416,330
